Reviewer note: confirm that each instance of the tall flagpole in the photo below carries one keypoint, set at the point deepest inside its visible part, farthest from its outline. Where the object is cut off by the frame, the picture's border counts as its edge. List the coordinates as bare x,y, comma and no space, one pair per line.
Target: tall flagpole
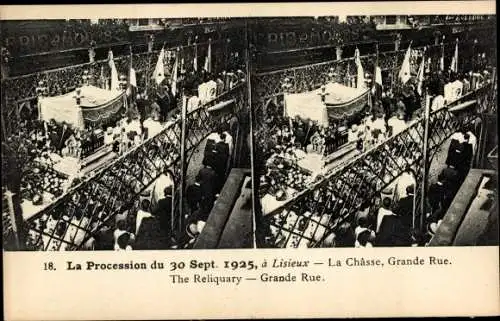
183,156
426,166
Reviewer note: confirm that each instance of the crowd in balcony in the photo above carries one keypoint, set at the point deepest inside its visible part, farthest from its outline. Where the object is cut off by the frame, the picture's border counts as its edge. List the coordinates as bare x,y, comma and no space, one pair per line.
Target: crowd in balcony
390,115
147,116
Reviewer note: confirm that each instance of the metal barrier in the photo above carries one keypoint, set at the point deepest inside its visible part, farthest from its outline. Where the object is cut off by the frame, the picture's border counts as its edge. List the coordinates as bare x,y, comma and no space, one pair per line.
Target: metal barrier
16,90
70,221
313,215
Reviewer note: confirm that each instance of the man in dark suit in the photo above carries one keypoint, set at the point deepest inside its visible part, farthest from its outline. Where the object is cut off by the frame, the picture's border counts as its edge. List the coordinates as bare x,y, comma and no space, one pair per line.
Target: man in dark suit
164,210
437,194
451,180
208,178
465,159
151,235
393,232
221,158
104,239
404,208
193,194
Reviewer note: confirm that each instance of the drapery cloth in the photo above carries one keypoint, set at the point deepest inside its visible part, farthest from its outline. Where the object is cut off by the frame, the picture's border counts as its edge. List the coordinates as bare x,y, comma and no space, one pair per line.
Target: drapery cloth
340,102
96,105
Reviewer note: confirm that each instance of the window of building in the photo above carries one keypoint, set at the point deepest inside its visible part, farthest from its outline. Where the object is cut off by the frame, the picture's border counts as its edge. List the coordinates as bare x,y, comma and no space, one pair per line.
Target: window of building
390,20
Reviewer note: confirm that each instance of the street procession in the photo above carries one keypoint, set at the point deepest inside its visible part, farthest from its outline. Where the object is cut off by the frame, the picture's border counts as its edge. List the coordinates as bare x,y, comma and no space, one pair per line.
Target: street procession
267,132
129,149
368,144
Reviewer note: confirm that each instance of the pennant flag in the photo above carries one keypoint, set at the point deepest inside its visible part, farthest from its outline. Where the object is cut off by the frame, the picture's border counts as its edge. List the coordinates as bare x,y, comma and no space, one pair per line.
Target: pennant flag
132,77
159,73
377,84
195,59
454,60
115,83
441,60
208,59
420,76
361,74
405,72
174,76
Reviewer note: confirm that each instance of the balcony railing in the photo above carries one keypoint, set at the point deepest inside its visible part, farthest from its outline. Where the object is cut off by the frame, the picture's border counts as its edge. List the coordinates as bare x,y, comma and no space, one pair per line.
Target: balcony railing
308,219
114,190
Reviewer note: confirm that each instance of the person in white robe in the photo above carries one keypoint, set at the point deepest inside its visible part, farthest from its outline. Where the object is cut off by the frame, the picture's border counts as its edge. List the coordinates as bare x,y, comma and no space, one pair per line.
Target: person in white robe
383,211
437,103
210,90
406,179
473,141
193,103
448,93
457,89
397,124
154,127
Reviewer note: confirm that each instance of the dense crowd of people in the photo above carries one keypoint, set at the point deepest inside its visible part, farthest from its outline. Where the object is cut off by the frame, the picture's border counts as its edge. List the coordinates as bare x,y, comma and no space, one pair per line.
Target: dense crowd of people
147,224
386,220
302,225
392,110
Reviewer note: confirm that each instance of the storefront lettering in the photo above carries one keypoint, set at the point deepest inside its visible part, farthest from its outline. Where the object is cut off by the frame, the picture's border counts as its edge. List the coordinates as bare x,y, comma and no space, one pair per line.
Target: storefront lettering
294,39
22,44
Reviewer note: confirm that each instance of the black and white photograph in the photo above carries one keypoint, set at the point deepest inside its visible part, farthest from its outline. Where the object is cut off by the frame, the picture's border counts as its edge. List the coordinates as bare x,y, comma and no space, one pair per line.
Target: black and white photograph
247,158
375,131
125,134
135,133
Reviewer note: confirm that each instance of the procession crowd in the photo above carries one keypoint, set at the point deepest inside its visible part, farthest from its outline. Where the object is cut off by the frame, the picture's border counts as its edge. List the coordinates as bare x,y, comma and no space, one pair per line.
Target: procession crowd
146,117
390,115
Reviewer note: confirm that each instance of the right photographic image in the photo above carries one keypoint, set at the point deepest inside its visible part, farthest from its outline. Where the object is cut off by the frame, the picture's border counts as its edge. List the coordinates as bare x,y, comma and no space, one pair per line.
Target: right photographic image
374,131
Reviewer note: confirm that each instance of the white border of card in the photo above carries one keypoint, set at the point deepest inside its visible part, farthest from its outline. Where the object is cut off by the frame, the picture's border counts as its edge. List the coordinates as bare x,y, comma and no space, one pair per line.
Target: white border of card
257,283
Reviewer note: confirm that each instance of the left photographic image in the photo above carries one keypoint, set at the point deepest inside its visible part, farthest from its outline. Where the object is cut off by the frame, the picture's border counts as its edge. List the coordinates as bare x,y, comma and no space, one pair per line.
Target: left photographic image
125,134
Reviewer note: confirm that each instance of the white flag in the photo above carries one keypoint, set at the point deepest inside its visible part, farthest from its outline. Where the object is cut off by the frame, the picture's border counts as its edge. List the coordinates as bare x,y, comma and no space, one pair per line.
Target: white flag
174,76
208,59
441,60
454,60
132,77
195,59
159,73
405,72
420,76
115,83
378,76
360,81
